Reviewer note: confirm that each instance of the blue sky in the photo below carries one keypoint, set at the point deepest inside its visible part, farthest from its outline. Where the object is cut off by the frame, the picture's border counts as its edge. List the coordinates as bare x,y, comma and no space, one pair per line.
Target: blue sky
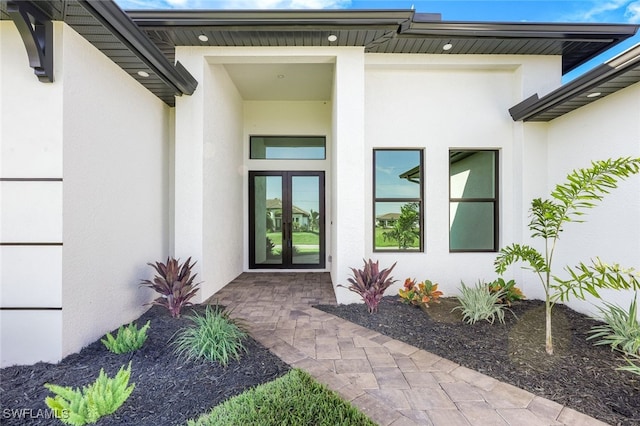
600,11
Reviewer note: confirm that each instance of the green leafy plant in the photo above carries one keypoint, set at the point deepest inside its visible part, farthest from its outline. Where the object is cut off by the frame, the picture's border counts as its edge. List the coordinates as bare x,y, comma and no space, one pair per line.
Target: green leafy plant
370,283
214,336
405,229
633,365
127,339
478,303
583,189
511,293
419,293
621,329
86,406
175,284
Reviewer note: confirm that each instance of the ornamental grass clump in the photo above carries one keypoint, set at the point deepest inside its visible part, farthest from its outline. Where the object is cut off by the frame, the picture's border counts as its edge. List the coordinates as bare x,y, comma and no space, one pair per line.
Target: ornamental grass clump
621,329
128,339
370,283
175,284
101,398
478,303
214,336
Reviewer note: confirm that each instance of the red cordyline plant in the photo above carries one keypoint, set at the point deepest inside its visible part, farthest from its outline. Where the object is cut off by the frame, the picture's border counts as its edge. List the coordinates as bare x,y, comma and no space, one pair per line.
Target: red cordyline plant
370,283
175,284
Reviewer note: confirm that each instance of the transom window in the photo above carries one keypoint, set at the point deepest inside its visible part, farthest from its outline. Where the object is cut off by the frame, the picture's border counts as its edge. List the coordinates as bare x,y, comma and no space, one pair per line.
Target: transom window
473,200
397,200
287,147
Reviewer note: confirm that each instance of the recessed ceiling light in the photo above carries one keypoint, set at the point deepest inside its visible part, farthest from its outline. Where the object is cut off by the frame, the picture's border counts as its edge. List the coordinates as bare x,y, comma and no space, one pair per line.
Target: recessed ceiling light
281,76
594,94
143,74
203,37
447,46
332,37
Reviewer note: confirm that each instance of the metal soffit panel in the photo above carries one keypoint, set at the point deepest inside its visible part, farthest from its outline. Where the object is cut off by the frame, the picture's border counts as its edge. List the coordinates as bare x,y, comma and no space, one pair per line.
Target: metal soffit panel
377,31
103,38
618,73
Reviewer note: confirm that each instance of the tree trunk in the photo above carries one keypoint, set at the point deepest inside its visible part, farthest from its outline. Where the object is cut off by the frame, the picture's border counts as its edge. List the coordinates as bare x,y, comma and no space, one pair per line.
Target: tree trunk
548,337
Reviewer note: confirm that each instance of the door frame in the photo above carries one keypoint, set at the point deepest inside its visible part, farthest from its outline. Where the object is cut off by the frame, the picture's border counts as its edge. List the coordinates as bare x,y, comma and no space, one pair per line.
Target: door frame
287,254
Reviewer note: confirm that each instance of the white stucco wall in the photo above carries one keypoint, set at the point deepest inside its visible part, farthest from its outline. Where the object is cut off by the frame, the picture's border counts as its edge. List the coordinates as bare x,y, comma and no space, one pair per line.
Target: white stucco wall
115,210
440,103
222,180
607,128
30,210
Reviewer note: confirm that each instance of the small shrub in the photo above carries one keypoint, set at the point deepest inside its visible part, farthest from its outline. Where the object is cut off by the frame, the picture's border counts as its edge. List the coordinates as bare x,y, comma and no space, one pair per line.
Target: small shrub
511,293
621,330
175,284
128,339
214,336
370,283
270,247
86,406
478,303
419,293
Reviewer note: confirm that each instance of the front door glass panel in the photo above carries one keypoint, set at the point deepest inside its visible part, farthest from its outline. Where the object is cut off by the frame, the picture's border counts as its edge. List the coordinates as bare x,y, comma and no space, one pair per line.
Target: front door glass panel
286,211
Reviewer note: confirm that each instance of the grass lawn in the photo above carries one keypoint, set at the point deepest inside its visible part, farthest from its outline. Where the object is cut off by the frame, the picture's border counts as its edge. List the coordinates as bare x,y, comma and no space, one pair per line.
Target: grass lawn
293,399
299,238
381,242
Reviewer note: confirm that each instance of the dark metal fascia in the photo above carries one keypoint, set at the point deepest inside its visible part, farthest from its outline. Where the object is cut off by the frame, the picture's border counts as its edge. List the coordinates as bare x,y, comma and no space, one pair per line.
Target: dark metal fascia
36,31
122,27
532,106
576,32
186,18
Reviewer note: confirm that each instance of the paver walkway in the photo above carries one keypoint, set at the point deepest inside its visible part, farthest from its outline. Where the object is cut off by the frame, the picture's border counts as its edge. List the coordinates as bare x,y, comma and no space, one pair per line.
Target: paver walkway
390,381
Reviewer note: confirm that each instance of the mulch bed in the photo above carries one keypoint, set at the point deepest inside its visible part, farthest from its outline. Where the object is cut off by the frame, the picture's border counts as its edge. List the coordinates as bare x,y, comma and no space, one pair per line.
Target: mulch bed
579,374
168,390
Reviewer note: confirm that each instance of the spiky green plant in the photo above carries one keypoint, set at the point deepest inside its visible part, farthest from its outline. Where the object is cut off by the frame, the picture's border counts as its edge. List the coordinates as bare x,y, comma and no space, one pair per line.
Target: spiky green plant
214,336
175,284
128,338
370,283
621,329
583,190
86,406
478,303
633,365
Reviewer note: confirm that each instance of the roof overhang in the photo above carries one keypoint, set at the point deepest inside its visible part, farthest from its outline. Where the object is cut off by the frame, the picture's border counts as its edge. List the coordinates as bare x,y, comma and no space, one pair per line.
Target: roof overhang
616,74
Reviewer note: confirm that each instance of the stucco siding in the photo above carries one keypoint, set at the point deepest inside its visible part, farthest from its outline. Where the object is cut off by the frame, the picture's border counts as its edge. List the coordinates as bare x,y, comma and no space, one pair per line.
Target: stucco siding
116,175
607,128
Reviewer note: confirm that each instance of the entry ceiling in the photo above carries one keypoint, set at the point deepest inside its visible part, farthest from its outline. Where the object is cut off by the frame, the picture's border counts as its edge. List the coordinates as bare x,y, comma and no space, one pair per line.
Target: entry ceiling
286,82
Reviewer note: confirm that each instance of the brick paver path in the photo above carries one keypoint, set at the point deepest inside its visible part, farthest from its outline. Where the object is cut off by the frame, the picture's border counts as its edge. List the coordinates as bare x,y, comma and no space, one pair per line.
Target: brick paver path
390,381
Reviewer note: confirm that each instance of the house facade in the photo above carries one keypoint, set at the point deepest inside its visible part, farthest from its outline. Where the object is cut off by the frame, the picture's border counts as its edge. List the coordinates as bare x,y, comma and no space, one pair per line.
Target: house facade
136,142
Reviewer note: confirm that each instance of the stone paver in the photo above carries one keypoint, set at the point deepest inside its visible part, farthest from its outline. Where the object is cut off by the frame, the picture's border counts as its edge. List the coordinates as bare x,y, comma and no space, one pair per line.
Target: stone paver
390,381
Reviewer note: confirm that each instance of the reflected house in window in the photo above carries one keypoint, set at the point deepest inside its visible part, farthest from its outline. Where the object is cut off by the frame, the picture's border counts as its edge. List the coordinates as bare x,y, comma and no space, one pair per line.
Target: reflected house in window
387,220
300,217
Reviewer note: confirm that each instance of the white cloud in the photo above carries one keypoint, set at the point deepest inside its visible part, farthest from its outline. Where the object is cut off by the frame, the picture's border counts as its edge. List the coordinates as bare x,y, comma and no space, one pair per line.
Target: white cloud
633,12
609,11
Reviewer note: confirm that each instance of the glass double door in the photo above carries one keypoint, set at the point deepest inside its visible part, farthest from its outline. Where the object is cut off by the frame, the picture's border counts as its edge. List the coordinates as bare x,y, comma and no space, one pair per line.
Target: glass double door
286,220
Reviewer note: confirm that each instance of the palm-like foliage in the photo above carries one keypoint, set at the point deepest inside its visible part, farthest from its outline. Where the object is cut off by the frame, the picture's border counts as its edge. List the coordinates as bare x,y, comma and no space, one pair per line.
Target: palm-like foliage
370,283
583,189
175,284
405,229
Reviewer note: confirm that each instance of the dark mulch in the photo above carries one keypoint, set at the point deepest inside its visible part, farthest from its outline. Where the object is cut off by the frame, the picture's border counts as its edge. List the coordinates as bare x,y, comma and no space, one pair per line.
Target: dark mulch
579,374
168,391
